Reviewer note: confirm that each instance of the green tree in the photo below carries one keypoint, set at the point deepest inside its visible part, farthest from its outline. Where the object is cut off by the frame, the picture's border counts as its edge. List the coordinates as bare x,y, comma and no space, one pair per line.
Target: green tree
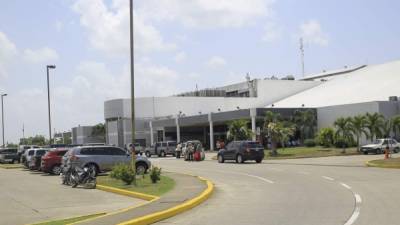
326,137
305,121
396,125
358,127
99,130
374,124
238,130
279,132
343,131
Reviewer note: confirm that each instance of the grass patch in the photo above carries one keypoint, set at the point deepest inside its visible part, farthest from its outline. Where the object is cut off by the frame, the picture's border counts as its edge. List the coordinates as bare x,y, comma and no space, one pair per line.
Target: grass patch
143,185
385,163
309,152
70,220
11,166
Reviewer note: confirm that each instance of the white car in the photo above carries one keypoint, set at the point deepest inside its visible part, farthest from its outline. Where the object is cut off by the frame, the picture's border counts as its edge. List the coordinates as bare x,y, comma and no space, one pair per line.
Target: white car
379,146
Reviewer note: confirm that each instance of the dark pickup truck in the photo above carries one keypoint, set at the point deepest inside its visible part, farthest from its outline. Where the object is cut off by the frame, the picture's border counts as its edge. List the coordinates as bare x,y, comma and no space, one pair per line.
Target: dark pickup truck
9,155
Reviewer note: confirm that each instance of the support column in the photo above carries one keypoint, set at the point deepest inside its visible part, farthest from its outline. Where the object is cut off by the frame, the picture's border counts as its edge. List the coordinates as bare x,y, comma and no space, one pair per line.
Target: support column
253,114
151,133
178,130
211,131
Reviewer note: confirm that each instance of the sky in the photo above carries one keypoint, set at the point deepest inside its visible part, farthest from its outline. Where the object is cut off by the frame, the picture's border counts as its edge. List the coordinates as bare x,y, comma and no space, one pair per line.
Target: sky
178,44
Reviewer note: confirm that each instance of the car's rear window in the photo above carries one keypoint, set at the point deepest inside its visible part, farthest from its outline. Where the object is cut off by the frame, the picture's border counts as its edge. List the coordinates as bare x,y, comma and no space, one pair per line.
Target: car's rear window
31,152
254,145
40,152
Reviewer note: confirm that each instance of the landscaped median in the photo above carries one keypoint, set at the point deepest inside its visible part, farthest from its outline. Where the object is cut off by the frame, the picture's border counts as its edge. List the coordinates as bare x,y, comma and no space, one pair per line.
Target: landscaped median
392,163
309,152
176,194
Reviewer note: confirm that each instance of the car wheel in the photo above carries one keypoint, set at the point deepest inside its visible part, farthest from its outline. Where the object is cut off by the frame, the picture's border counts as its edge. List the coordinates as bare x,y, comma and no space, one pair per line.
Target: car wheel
239,158
396,150
378,151
162,154
221,159
141,168
94,168
258,160
148,155
56,170
366,153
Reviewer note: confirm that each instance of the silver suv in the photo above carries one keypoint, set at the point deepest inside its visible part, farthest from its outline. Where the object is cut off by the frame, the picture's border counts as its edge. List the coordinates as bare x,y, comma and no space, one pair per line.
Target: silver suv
161,149
102,158
379,146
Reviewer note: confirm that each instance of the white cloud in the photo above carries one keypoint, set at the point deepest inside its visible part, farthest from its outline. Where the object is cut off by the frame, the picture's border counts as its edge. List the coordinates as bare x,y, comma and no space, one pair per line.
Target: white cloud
42,55
312,33
216,62
272,32
7,52
180,57
206,13
108,28
59,25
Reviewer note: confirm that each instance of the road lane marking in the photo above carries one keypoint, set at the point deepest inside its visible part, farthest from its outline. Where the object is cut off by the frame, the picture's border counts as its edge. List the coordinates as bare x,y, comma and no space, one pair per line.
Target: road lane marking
258,177
358,198
346,186
328,178
357,210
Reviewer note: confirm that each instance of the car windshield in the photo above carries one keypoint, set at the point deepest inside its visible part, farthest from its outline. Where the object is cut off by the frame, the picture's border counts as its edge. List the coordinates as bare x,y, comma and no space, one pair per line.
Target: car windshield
378,141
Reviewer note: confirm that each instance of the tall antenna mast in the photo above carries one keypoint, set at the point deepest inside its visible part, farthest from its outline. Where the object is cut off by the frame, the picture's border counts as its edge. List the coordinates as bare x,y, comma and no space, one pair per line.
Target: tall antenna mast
302,56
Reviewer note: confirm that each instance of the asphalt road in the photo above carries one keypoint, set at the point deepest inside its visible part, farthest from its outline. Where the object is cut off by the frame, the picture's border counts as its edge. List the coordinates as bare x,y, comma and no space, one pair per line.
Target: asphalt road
27,197
319,191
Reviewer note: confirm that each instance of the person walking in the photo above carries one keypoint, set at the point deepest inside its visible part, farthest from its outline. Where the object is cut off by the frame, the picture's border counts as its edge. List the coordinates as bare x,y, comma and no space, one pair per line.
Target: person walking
178,151
190,151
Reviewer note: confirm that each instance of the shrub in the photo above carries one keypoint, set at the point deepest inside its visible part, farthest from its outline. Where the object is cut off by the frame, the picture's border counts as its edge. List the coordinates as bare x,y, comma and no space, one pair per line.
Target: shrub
123,172
309,143
325,137
155,174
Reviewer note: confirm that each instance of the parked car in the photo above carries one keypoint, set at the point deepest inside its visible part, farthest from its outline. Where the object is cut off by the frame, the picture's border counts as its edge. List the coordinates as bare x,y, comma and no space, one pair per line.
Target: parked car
161,149
27,156
102,158
36,158
138,148
242,151
51,161
379,146
9,155
22,149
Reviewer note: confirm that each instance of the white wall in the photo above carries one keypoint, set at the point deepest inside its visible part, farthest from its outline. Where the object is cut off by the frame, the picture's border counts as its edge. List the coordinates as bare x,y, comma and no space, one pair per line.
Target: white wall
269,91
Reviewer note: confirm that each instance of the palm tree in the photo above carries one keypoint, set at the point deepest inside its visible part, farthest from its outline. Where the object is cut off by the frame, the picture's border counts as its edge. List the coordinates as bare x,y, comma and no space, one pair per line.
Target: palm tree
374,124
238,130
358,127
278,133
305,121
270,117
387,128
396,125
343,131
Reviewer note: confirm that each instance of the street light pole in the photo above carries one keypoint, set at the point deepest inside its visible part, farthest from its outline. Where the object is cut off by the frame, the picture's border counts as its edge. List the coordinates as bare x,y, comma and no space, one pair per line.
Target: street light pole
2,116
48,97
132,85
132,72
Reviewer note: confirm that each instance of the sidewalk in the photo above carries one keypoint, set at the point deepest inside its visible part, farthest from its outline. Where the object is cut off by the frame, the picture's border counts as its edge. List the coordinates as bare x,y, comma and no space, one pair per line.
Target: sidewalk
187,187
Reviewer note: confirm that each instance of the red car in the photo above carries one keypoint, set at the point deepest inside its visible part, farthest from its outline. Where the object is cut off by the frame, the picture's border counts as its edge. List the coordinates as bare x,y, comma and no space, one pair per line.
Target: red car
51,161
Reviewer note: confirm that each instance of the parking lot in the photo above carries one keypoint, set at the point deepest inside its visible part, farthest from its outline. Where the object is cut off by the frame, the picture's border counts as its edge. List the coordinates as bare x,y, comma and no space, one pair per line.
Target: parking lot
28,197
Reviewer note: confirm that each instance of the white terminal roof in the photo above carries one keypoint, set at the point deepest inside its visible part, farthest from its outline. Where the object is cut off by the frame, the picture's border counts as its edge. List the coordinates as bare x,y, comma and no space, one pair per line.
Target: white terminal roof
370,83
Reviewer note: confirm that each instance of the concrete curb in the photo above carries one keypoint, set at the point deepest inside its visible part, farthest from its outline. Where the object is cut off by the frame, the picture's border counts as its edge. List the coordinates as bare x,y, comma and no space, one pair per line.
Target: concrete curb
158,216
371,164
127,193
12,167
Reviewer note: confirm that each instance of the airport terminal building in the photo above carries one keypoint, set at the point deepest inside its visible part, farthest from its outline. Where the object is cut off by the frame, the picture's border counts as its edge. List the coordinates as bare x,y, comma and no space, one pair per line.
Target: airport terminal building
204,114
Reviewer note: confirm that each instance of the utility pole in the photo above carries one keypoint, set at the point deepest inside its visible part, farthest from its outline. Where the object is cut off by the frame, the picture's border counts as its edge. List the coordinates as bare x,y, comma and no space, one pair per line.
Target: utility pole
302,56
23,133
132,84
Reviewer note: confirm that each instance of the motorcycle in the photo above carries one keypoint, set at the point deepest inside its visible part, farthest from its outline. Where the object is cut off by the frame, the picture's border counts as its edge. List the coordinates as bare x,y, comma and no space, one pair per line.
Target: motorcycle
66,175
85,177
